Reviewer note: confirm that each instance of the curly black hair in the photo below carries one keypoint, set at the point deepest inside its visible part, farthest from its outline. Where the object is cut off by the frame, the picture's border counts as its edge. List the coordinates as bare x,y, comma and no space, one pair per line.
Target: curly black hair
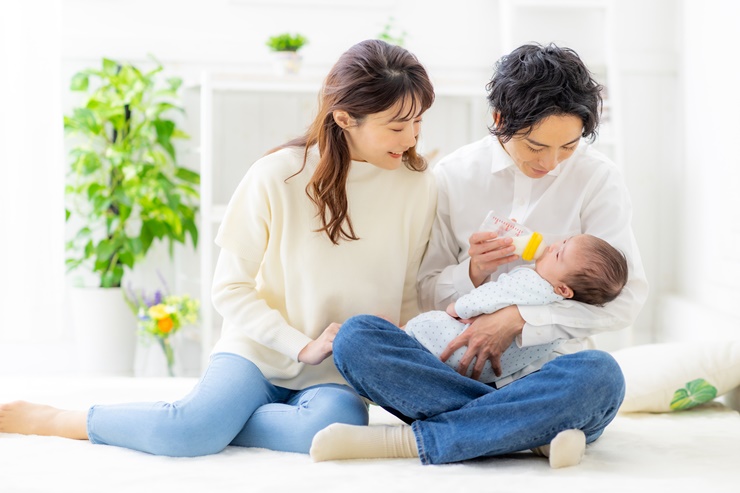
534,82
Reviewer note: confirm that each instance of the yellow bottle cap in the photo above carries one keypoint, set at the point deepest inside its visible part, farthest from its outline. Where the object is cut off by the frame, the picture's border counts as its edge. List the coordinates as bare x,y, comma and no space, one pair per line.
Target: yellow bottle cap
532,245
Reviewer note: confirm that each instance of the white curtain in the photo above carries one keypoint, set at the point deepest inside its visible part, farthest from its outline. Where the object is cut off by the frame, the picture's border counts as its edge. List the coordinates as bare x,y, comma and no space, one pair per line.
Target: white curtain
32,168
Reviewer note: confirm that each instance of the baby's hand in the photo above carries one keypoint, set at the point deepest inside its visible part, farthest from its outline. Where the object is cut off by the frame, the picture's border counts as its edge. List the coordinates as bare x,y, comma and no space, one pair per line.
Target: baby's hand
451,310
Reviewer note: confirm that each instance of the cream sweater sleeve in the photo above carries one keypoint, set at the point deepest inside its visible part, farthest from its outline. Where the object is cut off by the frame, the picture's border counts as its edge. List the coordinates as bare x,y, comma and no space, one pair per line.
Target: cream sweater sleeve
243,238
236,299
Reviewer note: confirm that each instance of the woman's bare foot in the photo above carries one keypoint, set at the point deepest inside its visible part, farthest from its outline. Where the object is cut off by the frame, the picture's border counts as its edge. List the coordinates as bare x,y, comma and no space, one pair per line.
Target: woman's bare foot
28,418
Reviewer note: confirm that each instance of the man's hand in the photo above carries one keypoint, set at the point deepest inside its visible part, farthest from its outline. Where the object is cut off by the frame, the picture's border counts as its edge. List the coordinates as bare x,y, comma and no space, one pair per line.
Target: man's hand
487,338
317,351
488,252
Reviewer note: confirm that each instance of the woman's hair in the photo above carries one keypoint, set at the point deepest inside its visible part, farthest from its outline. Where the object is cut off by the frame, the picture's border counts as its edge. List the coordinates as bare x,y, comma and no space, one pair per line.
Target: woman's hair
371,77
602,275
534,82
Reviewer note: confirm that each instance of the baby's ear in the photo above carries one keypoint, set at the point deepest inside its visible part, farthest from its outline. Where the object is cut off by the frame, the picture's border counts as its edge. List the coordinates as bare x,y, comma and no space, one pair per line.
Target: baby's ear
564,291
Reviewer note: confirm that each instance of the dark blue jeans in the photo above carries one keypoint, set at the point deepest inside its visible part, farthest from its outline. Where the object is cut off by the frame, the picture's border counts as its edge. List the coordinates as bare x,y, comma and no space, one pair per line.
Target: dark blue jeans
455,418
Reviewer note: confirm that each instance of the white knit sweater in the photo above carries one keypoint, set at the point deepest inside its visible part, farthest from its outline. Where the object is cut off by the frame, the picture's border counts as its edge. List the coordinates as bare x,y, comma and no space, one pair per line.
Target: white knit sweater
279,283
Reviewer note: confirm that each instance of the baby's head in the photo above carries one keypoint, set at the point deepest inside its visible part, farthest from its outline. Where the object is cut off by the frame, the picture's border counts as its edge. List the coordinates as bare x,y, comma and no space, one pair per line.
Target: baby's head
584,268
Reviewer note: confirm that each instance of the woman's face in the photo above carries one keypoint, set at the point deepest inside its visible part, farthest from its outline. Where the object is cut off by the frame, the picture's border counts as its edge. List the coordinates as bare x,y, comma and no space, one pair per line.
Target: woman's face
552,141
382,138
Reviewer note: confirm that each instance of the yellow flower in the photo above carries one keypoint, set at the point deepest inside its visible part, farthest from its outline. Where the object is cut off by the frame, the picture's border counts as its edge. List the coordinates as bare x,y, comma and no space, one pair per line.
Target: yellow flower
158,312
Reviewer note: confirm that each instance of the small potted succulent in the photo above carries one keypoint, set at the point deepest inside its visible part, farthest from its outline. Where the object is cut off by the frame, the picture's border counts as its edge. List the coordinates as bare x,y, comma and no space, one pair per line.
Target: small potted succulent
285,48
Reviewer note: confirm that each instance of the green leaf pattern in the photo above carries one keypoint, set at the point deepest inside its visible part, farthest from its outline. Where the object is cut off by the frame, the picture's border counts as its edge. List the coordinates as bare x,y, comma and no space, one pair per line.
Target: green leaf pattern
696,392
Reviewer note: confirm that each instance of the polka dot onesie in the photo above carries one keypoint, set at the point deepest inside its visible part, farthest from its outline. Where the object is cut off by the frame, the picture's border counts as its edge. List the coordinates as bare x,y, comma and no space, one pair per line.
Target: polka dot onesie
522,286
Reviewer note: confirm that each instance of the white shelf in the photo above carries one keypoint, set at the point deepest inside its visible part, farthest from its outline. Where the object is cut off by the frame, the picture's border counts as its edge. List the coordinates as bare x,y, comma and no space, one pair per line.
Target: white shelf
298,84
248,81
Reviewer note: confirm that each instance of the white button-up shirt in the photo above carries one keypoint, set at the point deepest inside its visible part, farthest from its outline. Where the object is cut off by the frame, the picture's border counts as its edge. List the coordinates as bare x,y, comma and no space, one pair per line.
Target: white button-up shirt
583,194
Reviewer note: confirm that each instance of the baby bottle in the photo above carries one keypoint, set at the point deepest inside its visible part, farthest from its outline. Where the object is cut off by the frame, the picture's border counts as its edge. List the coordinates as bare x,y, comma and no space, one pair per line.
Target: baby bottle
527,244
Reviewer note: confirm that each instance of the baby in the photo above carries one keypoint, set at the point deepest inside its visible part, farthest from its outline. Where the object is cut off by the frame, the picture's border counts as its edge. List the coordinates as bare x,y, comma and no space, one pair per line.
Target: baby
581,268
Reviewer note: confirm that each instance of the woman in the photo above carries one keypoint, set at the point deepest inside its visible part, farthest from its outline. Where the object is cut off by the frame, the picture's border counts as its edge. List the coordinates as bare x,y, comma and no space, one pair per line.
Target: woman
349,200
533,168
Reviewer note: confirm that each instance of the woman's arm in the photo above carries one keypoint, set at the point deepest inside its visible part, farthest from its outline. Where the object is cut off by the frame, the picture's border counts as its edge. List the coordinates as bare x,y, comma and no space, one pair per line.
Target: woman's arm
235,297
244,238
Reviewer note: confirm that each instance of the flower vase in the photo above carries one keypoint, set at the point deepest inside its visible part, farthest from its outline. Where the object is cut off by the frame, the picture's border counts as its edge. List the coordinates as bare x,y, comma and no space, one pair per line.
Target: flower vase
169,354
158,358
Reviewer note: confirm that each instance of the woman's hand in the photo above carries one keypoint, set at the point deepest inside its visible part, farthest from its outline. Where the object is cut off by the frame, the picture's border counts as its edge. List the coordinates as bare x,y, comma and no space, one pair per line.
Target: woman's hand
487,338
317,351
487,252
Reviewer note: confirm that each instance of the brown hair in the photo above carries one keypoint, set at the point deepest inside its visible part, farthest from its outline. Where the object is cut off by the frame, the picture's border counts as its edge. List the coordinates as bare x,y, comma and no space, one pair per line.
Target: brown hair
603,273
370,77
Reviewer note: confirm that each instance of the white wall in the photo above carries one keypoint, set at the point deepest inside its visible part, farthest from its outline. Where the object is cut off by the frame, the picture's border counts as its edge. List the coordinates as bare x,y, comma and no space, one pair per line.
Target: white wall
457,41
706,284
647,37
31,167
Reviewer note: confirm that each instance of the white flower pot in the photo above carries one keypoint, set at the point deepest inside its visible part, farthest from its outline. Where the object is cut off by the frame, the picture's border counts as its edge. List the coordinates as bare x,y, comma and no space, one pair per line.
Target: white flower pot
287,62
105,331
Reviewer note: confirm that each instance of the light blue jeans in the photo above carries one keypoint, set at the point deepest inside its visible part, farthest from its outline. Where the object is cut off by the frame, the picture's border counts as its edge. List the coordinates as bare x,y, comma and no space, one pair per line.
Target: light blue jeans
233,404
455,418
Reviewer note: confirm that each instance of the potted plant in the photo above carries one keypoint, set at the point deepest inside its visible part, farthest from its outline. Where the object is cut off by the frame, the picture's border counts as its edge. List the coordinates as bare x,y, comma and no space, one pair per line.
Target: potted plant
125,190
285,47
390,33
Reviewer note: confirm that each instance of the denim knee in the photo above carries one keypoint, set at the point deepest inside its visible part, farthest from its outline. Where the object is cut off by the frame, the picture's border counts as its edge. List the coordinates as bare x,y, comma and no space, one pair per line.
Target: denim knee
355,336
601,378
191,436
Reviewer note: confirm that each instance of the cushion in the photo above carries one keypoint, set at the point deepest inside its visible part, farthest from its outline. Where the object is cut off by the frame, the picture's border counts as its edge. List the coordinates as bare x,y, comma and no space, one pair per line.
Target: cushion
679,375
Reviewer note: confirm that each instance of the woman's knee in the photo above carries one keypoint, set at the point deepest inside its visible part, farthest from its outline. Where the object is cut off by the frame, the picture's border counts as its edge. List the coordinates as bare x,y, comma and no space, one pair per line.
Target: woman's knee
333,403
206,420
187,438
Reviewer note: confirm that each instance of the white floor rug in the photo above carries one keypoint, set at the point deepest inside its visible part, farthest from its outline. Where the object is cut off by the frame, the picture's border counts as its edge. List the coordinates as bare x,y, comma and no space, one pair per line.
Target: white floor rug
691,451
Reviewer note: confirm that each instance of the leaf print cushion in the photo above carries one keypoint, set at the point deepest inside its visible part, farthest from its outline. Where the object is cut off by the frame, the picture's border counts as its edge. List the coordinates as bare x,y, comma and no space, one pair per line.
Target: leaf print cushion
676,376
696,392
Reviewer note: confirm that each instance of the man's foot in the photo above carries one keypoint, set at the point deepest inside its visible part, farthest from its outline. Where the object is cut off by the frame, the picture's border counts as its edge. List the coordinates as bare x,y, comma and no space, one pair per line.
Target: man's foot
341,441
28,418
565,450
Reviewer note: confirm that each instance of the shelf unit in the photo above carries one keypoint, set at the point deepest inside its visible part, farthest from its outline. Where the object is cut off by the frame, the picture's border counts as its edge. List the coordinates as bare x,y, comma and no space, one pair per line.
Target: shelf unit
291,101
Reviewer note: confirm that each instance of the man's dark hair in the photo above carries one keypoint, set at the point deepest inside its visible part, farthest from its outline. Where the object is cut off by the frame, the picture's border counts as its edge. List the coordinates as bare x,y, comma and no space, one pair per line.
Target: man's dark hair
534,82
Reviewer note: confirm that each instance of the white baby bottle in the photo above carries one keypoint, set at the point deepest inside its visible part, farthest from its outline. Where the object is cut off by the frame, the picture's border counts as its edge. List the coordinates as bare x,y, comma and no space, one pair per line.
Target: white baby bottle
527,244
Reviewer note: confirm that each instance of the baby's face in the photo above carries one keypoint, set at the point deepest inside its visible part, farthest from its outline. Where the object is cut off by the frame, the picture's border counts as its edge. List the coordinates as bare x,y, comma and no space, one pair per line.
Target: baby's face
559,260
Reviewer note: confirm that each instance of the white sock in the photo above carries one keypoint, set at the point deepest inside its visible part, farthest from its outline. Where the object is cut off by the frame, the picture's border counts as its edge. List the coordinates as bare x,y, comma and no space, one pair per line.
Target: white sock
565,450
340,441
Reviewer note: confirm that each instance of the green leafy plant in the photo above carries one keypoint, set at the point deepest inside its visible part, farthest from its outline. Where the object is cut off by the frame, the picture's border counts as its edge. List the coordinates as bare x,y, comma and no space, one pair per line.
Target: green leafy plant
124,184
286,42
390,33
